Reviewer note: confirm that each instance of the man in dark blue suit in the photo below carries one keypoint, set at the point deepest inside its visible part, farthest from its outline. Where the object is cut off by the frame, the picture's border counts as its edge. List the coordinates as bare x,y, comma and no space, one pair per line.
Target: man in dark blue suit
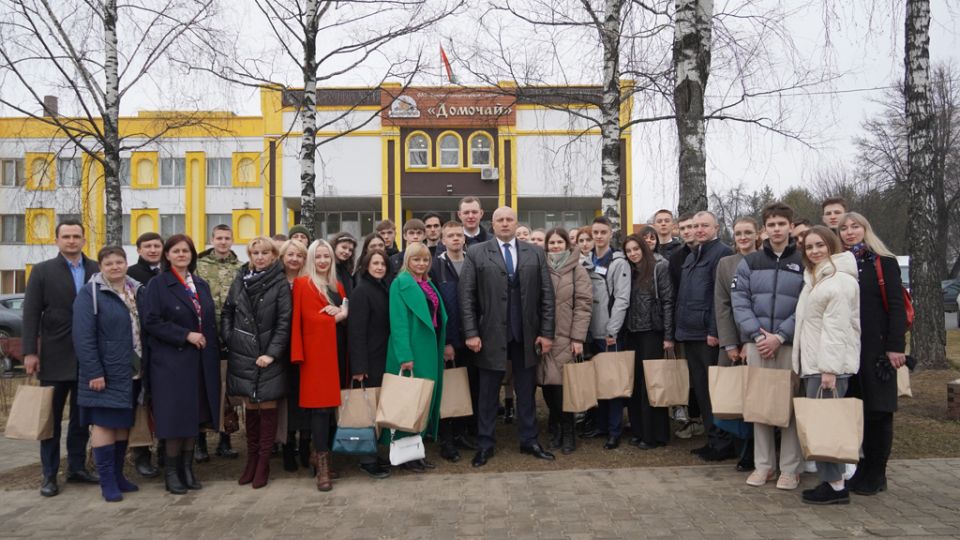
507,313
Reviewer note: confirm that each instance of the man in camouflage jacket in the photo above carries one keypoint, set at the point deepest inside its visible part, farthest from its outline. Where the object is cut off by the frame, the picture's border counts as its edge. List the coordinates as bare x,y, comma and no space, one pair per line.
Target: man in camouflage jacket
218,266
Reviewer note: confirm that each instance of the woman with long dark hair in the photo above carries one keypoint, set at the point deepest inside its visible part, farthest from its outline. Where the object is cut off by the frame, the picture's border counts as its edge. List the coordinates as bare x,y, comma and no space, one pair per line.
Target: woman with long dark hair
255,323
883,319
649,325
573,296
344,248
179,323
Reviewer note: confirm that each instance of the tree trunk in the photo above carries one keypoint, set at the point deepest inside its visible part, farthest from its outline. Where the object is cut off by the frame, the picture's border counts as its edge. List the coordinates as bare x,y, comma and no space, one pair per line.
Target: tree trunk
610,116
308,114
928,338
691,60
111,133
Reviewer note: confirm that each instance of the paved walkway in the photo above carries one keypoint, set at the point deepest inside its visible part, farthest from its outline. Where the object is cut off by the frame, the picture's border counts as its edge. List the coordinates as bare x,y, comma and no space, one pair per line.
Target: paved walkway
687,502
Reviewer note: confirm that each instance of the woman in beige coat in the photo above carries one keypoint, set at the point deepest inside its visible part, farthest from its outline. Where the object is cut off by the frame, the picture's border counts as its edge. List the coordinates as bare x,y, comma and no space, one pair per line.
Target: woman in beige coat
574,303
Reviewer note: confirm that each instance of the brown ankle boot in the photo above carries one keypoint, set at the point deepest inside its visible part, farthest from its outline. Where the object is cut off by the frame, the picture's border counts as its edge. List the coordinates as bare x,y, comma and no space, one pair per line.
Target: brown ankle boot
322,459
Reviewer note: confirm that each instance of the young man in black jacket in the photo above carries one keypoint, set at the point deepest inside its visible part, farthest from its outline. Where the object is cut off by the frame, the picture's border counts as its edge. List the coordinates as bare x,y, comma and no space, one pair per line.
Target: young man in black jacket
48,349
150,249
445,273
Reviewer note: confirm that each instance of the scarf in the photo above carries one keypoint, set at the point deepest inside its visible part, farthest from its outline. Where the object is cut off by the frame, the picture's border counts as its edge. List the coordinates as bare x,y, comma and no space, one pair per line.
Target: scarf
557,260
433,301
861,252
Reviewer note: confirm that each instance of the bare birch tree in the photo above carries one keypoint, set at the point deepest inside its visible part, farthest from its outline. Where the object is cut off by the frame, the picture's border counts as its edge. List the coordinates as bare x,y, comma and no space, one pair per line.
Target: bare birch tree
77,45
693,29
326,40
928,338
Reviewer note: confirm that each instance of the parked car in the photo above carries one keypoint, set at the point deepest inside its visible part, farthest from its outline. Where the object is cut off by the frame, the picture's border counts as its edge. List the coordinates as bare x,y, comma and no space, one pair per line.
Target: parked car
951,289
11,328
904,262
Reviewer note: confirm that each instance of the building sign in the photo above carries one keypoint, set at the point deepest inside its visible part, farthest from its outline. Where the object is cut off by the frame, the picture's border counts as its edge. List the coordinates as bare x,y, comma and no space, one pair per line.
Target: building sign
440,107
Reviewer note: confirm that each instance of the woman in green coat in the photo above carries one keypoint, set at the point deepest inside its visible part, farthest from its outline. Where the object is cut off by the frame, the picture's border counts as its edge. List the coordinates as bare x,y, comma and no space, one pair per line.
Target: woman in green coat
417,333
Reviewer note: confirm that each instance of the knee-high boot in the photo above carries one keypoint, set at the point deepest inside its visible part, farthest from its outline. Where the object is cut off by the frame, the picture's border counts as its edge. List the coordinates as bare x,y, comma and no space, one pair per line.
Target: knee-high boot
253,446
104,458
268,434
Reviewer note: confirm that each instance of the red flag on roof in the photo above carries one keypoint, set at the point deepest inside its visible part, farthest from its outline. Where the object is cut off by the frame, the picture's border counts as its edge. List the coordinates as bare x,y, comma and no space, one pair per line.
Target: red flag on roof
446,64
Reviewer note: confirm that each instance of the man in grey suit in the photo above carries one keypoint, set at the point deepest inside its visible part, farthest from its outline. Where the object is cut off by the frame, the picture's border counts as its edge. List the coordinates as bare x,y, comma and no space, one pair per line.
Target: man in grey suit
507,308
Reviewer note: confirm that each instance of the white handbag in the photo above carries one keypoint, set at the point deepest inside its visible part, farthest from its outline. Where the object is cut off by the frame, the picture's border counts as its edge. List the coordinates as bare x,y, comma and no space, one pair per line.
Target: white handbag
406,449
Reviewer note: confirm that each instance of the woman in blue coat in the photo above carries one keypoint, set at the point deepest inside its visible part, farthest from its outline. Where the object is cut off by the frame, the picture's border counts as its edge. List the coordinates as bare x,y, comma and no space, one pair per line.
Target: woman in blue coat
106,337
184,368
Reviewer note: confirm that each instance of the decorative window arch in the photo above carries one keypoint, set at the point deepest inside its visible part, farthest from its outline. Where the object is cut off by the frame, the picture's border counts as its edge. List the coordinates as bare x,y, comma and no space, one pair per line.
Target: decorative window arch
480,144
418,150
451,150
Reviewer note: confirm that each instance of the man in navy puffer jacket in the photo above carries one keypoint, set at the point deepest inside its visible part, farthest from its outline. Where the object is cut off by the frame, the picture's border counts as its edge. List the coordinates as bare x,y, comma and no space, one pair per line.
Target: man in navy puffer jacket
764,295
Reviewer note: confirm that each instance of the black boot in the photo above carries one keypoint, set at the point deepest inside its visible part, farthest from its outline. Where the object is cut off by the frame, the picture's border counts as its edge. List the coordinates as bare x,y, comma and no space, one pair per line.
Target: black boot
200,452
142,462
289,455
509,413
303,449
186,470
161,453
224,449
568,439
171,475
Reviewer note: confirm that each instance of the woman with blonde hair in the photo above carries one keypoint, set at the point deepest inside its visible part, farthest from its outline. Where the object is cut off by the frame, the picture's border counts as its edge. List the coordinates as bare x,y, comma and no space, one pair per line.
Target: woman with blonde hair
255,325
418,322
293,255
826,343
313,347
882,345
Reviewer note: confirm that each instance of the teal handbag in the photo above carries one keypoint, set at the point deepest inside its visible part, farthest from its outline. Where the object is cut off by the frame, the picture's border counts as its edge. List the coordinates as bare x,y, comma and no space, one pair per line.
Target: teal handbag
356,441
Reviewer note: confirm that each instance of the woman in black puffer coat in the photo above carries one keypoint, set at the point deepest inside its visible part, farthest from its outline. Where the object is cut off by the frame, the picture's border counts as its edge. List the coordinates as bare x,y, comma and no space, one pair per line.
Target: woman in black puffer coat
255,325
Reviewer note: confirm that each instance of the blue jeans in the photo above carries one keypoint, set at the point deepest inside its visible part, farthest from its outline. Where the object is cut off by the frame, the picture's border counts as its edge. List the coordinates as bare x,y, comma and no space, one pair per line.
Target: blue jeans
609,411
77,434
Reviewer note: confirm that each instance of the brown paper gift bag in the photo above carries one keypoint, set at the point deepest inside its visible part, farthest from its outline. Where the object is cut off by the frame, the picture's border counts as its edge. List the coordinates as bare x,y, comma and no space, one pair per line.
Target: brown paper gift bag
455,398
358,407
830,429
767,396
667,381
31,415
140,432
579,386
614,374
404,403
903,382
726,390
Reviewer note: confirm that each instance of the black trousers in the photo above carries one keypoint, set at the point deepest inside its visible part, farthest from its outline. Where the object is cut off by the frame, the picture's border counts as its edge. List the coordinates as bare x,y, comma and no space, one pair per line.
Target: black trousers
700,356
465,425
650,424
488,399
77,434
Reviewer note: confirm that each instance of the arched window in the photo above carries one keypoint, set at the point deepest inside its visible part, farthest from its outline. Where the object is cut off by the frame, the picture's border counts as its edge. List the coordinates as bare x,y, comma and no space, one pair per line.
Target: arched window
418,151
450,150
480,150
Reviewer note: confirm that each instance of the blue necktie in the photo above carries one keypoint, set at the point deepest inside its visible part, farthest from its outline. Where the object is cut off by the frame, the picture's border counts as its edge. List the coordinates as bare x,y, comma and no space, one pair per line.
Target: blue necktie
508,258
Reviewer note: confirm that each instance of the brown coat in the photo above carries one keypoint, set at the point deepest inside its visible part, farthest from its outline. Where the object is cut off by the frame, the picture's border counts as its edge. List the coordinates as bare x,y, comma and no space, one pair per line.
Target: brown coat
574,303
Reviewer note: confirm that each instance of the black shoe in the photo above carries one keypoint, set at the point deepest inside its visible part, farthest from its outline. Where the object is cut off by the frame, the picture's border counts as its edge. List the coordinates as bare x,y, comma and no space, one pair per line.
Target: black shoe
509,413
450,453
868,486
415,466
556,436
745,465
200,453
185,469
718,455
824,494
171,476
612,443
537,451
289,457
644,445
702,450
427,464
465,442
481,457
49,487
224,449
568,440
374,470
82,476
142,462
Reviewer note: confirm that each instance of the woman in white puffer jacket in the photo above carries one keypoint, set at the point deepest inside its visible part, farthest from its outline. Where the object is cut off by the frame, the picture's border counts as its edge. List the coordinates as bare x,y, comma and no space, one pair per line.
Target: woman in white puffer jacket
826,341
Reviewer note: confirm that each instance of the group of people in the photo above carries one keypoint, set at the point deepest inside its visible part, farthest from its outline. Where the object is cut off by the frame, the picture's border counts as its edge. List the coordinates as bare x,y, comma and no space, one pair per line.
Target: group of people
191,336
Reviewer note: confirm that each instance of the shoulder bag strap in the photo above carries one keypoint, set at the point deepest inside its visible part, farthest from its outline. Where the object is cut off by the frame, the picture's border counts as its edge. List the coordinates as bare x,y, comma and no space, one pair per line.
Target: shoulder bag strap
883,285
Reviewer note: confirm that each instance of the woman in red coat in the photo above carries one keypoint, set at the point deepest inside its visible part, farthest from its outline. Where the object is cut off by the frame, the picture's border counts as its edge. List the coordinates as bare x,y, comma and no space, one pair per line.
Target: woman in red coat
314,348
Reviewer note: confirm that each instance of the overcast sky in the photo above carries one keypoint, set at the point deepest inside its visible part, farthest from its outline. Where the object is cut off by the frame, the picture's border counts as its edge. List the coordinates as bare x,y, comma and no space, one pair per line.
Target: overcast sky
863,55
